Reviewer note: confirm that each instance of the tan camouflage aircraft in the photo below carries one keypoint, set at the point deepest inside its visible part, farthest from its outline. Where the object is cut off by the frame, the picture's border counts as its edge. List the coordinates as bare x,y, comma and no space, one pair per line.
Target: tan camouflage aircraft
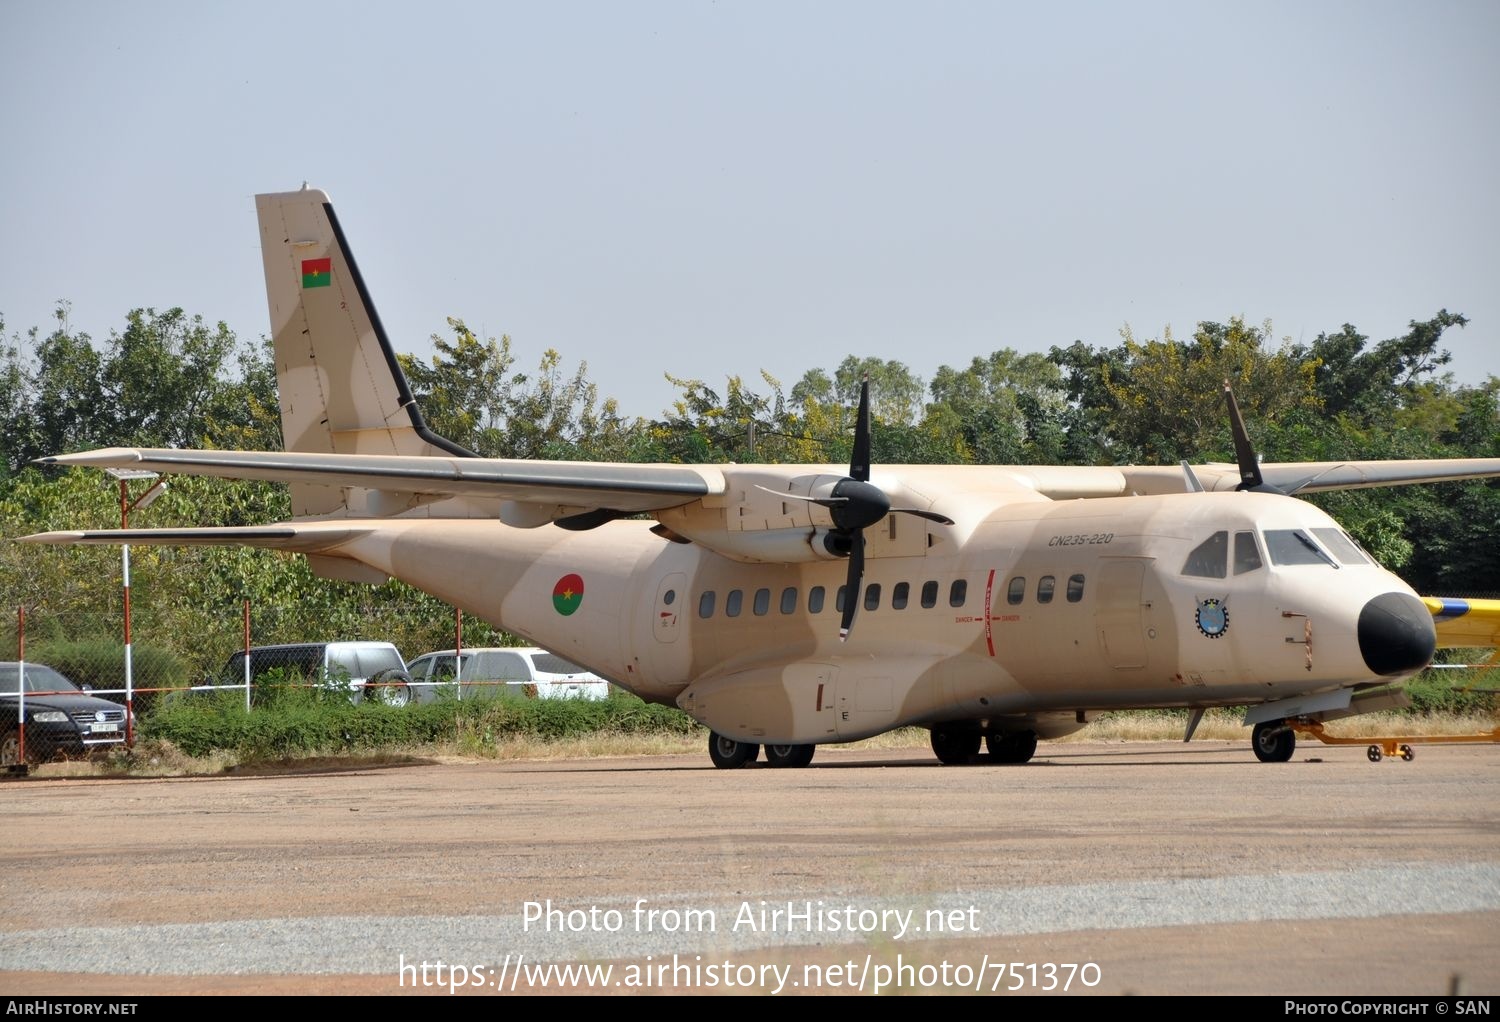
786,606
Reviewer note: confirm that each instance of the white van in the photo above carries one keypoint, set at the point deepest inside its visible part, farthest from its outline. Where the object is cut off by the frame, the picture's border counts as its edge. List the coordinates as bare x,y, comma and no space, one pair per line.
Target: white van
485,670
373,669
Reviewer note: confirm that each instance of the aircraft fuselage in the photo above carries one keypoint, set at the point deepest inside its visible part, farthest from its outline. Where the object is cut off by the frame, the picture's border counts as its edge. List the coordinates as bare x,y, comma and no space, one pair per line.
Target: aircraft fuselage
1035,613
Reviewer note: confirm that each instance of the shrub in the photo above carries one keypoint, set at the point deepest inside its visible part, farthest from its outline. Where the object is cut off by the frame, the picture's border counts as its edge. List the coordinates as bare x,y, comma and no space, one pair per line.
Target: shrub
301,721
100,664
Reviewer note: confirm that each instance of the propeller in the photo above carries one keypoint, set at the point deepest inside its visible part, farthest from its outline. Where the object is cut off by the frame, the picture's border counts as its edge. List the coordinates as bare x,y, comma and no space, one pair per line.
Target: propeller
855,504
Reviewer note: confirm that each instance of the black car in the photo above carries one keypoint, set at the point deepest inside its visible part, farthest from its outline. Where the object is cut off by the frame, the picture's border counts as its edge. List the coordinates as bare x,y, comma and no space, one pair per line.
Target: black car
61,718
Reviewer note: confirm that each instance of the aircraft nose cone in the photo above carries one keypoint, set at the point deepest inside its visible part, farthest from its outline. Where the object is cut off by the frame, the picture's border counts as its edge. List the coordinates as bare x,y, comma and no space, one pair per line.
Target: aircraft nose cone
1396,634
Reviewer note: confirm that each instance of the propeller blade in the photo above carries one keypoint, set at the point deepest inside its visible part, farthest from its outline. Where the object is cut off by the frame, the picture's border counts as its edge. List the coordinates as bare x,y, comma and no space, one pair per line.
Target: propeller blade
844,500
821,501
1244,453
851,585
931,516
859,463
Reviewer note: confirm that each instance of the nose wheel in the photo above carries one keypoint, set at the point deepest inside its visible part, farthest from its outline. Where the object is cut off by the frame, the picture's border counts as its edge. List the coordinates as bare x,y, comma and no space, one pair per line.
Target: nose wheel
1274,741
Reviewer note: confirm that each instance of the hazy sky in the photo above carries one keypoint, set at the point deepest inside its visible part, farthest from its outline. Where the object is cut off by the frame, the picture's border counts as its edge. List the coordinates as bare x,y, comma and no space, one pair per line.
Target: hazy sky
714,189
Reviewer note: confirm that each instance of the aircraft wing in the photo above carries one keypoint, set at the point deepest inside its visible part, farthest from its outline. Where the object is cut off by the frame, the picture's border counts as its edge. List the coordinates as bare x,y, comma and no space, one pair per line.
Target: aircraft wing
1465,624
1293,477
622,487
627,488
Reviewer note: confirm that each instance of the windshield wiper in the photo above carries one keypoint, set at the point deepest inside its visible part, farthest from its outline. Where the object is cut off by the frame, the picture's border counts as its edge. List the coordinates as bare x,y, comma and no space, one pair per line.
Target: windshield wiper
1306,541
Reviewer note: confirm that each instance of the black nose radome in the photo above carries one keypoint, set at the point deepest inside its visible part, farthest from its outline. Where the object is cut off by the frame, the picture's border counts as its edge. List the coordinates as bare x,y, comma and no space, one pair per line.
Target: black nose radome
1396,634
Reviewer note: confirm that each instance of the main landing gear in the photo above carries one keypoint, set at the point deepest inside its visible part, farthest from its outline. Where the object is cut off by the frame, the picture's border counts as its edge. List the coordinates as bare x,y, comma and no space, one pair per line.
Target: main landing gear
960,745
729,754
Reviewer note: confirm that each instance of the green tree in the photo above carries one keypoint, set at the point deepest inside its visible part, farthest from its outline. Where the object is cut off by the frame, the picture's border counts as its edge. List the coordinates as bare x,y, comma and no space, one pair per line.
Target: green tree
472,395
1007,407
1169,396
1368,384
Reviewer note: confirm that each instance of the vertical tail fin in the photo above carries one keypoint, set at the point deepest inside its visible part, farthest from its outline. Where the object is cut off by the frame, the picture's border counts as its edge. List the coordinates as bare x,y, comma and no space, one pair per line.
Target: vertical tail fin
340,386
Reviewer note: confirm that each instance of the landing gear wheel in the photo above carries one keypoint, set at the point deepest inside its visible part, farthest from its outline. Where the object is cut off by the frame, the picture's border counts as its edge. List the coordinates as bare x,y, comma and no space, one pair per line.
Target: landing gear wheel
789,755
729,754
1274,742
1406,753
1374,753
954,746
1013,747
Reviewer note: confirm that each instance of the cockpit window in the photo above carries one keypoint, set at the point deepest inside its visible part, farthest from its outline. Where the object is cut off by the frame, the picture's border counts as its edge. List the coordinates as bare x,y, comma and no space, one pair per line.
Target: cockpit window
1295,546
1209,557
1342,546
1246,553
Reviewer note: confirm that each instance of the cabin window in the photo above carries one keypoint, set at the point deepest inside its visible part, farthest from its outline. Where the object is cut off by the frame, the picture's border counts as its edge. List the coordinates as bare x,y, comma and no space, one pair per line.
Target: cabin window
929,594
1342,546
1075,588
1209,557
838,601
872,596
958,592
1044,587
669,597
706,604
1246,553
899,595
1017,590
1293,546
762,602
789,600
815,600
732,603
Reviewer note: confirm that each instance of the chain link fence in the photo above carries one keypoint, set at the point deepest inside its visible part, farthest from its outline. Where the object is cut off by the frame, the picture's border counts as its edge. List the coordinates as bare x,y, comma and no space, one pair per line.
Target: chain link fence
77,683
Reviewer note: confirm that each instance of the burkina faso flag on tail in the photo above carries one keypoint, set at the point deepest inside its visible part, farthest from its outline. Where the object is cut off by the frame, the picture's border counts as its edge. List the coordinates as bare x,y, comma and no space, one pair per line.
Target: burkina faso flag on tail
567,594
317,272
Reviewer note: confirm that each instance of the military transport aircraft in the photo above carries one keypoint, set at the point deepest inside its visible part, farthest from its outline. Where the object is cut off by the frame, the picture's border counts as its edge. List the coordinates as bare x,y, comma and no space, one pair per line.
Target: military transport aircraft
785,606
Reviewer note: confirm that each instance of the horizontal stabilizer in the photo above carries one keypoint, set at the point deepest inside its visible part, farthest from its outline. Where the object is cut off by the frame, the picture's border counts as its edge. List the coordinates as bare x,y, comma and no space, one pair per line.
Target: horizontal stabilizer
292,538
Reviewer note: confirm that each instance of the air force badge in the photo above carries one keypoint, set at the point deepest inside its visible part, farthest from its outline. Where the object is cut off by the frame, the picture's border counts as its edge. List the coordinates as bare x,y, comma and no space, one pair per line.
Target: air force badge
1212,617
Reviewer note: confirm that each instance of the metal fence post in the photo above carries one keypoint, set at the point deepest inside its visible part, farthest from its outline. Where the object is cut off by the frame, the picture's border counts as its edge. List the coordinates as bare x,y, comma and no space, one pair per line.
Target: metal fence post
247,656
21,682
